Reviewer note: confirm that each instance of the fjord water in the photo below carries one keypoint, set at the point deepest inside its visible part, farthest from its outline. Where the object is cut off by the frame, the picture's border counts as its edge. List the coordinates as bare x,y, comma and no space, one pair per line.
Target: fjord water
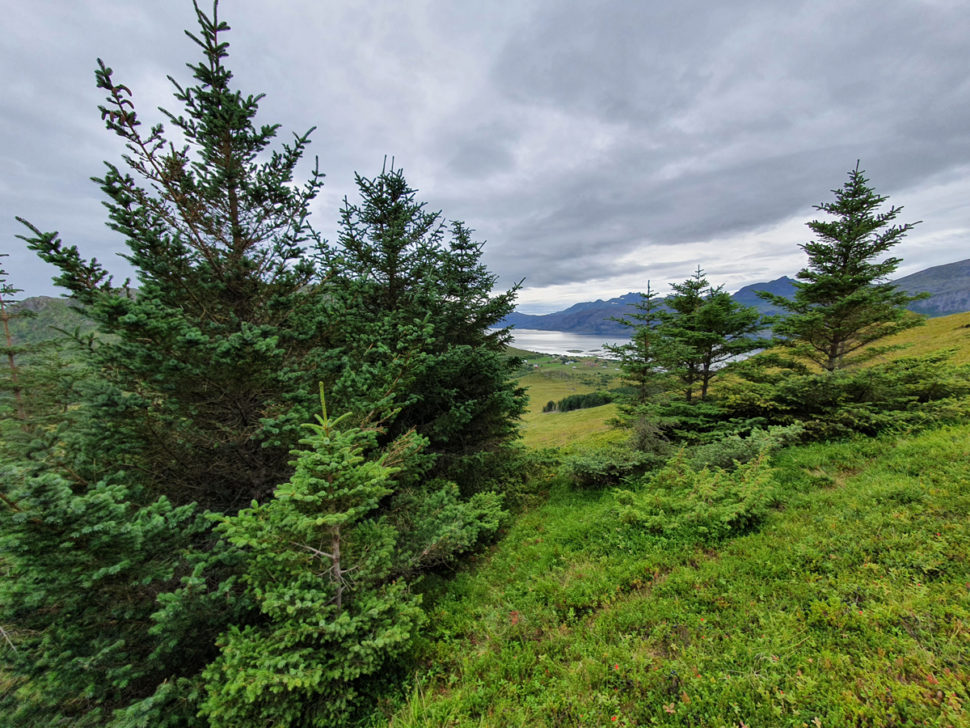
563,342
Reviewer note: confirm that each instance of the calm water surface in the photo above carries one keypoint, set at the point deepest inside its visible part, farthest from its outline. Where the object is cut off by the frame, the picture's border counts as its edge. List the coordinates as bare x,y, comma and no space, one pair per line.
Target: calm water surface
563,342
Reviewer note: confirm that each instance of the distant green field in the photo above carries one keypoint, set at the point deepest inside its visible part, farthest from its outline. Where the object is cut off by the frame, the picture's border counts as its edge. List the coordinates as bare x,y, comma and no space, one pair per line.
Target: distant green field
550,380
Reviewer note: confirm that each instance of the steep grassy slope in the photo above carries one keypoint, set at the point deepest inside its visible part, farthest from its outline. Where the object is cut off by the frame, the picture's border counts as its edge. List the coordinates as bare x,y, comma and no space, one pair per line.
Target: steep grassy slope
850,605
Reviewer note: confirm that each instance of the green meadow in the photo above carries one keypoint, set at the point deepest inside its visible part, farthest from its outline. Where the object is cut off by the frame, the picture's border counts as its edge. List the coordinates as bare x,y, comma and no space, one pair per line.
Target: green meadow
838,594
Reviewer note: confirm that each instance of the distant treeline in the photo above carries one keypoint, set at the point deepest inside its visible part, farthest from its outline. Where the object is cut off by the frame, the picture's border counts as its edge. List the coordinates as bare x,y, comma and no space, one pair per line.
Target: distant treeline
583,401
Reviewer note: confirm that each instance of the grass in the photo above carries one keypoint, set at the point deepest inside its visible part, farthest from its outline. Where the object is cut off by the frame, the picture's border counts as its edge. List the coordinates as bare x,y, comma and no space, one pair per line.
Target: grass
850,606
548,379
945,332
567,430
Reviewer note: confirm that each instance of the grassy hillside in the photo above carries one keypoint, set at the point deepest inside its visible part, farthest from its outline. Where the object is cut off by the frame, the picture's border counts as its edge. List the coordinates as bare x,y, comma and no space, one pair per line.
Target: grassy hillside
547,378
945,332
840,597
849,605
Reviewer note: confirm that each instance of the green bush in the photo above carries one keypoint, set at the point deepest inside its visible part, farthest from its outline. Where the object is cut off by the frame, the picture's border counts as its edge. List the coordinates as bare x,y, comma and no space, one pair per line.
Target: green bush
705,505
583,401
733,450
911,392
608,467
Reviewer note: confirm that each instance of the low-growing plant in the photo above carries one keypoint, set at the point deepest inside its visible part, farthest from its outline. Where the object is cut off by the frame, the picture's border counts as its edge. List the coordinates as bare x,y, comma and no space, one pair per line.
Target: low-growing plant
705,505
608,466
733,450
911,392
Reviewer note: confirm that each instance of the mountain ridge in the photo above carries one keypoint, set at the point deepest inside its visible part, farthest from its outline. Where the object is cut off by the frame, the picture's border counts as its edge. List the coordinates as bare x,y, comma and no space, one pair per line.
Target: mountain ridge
947,284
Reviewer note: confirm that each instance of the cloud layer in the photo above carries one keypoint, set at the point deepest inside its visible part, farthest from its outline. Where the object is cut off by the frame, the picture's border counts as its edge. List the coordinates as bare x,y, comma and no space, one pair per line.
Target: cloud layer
593,145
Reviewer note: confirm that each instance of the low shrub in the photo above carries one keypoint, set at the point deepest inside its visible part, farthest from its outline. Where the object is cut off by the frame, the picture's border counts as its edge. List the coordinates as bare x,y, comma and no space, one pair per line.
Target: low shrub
705,505
583,401
608,466
733,450
911,392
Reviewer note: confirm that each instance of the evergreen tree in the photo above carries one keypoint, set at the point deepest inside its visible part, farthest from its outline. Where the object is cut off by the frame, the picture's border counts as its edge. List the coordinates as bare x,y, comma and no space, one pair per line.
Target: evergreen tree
684,340
681,343
420,336
115,585
319,563
842,301
704,328
204,382
81,576
642,362
203,374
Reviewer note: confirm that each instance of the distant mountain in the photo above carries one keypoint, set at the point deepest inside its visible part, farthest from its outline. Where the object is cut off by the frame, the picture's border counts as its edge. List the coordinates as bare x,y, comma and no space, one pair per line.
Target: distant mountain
595,317
948,286
592,317
48,317
747,296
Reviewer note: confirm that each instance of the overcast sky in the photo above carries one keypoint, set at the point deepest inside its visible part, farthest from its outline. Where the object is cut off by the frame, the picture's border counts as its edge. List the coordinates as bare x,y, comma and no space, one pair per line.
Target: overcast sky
593,145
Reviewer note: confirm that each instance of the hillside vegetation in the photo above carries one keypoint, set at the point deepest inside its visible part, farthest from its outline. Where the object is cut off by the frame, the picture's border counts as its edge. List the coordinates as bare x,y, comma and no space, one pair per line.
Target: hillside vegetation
553,380
847,604
295,483
837,594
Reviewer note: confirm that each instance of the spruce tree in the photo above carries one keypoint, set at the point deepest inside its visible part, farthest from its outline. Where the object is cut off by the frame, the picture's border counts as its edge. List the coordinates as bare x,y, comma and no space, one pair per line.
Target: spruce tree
212,354
421,336
843,301
203,371
643,365
704,328
641,359
319,564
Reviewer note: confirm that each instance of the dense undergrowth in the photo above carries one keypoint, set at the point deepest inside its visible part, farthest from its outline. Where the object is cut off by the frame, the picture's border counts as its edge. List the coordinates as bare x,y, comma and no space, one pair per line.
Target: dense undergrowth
843,600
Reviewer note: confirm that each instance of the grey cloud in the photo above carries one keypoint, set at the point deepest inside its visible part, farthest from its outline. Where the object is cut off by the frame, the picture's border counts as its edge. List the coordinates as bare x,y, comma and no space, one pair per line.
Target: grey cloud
571,135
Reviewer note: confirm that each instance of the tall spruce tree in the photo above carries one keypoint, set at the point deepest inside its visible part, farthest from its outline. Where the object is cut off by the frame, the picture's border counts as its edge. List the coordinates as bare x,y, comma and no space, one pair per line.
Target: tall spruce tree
212,356
843,301
423,339
204,371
